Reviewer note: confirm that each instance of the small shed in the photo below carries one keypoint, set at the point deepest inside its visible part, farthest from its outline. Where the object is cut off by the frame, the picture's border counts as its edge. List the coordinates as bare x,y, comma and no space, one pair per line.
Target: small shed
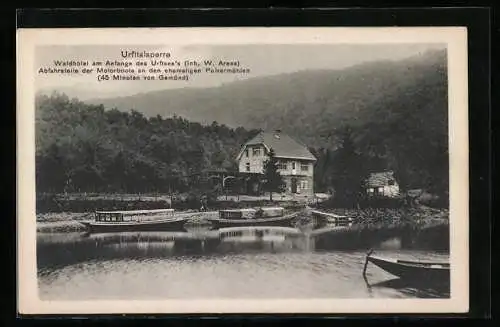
382,184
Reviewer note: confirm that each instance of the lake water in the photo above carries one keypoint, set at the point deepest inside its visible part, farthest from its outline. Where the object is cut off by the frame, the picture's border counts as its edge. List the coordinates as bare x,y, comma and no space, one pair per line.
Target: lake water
153,266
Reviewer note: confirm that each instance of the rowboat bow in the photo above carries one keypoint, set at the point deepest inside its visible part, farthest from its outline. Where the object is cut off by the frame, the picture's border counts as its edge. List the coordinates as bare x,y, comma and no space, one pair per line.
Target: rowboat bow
408,269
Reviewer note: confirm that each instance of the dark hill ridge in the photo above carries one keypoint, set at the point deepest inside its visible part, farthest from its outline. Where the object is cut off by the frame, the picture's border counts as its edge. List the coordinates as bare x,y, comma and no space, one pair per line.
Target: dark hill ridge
310,104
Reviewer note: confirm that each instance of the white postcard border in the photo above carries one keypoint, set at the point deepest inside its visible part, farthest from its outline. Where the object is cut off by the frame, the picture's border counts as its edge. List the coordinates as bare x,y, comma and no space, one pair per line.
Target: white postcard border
454,37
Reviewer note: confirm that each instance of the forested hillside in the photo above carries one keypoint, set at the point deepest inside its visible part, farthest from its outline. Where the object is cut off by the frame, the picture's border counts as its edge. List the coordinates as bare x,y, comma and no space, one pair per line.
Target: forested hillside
83,147
309,103
395,115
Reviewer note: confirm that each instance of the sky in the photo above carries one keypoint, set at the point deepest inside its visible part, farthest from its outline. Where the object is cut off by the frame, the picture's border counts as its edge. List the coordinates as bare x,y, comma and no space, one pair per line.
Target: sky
262,60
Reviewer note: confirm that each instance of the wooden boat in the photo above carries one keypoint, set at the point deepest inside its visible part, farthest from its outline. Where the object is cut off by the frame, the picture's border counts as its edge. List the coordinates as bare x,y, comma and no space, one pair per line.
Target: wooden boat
135,220
412,270
274,216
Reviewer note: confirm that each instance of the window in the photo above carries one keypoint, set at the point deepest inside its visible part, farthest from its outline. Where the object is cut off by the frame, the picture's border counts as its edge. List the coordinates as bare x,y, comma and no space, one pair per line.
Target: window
246,153
390,182
247,166
370,190
293,165
256,152
282,165
380,190
304,167
303,185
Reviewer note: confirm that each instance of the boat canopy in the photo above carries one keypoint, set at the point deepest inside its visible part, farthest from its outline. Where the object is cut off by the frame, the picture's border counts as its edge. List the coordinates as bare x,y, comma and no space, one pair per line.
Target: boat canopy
136,212
327,214
239,210
237,213
263,212
272,208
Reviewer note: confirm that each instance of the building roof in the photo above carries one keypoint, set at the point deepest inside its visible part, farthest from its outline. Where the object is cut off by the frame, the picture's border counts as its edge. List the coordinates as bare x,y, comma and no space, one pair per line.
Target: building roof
283,145
379,179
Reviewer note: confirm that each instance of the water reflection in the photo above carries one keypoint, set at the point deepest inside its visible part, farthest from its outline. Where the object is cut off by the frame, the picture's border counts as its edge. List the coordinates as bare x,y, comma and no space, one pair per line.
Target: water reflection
60,249
414,288
205,263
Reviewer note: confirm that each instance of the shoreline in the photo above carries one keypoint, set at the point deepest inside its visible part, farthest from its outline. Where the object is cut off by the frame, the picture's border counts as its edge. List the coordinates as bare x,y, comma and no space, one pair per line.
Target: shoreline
71,222
413,229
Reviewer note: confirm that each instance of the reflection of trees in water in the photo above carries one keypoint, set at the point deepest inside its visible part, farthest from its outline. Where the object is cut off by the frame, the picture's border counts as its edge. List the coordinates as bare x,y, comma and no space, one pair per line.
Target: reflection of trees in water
57,251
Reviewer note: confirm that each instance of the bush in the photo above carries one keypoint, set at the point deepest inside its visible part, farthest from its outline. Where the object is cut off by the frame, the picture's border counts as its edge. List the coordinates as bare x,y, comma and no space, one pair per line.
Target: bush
433,200
195,199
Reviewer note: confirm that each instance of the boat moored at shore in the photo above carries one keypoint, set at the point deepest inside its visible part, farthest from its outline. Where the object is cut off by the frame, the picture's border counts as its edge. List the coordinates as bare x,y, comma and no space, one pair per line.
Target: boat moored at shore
135,220
322,219
271,216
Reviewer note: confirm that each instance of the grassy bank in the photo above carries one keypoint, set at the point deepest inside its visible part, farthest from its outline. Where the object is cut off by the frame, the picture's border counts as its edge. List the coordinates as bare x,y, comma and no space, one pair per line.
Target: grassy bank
82,203
53,203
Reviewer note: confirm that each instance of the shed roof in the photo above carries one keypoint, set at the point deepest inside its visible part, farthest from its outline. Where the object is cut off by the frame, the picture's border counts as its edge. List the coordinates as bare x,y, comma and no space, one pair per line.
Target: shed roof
379,179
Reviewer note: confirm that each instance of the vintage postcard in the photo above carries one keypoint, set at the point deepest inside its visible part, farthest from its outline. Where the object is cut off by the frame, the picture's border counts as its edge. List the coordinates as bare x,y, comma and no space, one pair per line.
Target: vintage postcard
242,170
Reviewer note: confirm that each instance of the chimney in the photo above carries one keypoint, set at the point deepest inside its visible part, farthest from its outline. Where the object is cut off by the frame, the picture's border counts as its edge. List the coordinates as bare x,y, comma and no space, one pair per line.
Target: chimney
277,133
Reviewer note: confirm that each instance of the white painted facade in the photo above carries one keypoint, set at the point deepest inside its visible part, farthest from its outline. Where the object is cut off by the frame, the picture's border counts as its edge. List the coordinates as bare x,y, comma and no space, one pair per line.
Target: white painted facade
252,160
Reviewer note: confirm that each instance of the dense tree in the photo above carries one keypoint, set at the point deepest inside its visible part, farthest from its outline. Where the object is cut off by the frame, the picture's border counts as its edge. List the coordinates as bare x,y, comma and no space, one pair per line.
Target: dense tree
349,168
273,181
